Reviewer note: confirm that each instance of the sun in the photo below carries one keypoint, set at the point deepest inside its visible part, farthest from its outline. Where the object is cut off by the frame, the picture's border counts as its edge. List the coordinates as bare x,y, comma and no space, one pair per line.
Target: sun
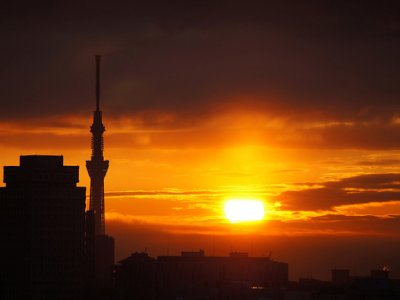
244,210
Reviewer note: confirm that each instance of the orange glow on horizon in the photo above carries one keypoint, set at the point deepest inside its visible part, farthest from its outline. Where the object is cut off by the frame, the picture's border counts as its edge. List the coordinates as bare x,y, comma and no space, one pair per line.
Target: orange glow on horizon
162,173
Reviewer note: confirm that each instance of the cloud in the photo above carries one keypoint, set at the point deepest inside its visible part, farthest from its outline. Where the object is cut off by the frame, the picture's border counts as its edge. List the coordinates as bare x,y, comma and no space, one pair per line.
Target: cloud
379,162
352,190
340,224
176,69
369,181
159,130
302,60
165,192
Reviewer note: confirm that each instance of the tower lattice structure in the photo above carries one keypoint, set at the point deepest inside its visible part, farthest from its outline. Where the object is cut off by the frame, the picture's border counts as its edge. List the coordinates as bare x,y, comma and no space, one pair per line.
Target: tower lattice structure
97,167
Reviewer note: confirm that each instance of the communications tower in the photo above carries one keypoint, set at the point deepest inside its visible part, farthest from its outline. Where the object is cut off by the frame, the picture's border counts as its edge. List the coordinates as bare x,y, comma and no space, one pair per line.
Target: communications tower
97,167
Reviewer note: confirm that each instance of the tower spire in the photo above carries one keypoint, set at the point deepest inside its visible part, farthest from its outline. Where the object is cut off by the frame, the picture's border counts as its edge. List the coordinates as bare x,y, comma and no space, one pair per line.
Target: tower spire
98,58
97,167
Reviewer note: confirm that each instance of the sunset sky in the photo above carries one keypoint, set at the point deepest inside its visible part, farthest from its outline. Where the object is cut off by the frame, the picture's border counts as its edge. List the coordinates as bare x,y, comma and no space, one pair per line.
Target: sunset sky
294,103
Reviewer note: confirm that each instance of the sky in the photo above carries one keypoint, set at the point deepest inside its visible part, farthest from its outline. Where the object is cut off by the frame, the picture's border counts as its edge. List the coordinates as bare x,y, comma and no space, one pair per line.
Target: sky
294,103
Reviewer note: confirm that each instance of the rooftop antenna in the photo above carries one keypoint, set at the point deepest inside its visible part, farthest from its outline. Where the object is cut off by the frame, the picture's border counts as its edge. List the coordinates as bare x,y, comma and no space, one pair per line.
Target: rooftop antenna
98,57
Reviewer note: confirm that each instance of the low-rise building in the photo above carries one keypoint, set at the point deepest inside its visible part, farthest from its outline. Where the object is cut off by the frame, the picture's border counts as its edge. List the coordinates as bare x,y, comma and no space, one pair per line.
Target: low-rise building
193,275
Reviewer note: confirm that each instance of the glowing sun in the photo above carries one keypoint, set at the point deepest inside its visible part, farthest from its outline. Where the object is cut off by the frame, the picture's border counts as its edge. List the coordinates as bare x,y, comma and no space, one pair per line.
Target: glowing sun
244,210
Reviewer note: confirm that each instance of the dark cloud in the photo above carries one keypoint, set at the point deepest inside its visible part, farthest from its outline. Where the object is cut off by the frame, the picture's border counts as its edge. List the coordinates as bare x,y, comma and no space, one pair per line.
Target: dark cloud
170,131
337,224
375,135
194,58
368,181
48,141
352,190
379,162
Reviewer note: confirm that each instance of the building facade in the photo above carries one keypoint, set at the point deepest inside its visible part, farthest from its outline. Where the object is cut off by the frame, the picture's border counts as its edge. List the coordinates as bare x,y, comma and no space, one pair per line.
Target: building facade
196,276
42,230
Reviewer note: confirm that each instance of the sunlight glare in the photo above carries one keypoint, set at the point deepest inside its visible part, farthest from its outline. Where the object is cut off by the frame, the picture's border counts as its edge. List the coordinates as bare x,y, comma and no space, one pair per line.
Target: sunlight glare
244,210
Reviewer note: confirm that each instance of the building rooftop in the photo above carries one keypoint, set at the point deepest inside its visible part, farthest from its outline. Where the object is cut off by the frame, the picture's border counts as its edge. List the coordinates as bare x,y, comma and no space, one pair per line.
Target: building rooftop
41,161
41,169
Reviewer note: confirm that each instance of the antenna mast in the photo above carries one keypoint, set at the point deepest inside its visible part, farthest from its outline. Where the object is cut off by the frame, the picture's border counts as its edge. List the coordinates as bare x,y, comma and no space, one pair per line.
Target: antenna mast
98,57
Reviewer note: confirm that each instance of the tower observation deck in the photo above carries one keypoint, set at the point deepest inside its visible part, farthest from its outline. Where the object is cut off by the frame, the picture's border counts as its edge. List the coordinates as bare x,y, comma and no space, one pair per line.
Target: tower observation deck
97,167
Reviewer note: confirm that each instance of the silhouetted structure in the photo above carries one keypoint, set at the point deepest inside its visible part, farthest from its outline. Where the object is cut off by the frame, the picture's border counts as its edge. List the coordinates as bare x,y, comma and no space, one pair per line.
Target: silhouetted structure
100,245
100,256
97,167
196,276
104,260
380,273
341,276
42,230
136,277
90,249
377,286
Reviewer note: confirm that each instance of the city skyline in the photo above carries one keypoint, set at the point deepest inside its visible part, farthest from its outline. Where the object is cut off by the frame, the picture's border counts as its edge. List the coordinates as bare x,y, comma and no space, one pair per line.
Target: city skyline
295,105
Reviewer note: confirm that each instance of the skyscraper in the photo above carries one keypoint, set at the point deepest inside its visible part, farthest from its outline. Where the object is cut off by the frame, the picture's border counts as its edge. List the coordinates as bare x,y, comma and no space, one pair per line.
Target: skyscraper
42,230
97,167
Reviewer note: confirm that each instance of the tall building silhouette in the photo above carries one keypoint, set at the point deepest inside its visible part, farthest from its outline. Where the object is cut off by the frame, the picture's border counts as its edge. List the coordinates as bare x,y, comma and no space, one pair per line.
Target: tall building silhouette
42,230
97,167
100,247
